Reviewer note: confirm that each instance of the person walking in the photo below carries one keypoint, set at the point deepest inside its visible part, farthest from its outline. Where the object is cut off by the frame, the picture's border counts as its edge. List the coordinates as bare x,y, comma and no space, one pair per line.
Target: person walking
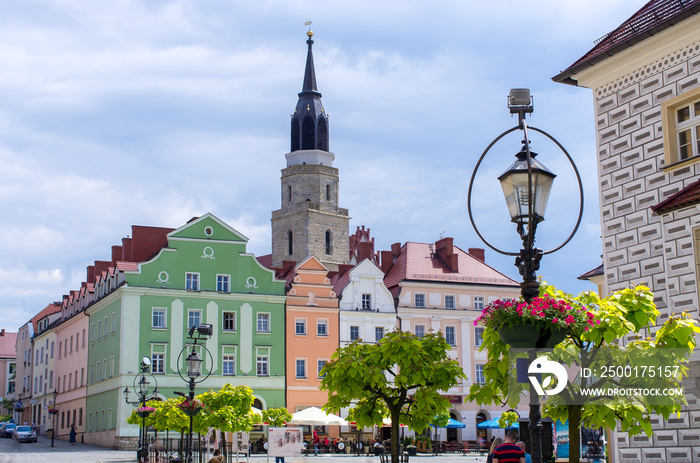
509,452
72,435
528,457
494,444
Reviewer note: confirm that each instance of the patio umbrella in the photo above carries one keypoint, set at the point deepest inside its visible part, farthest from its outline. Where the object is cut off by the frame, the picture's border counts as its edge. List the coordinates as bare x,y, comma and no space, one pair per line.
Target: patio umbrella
452,423
316,417
492,424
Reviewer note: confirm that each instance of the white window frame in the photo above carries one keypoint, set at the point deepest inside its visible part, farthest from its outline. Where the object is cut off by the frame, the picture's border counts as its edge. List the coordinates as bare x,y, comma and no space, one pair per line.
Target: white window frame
672,128
366,301
422,329
262,359
235,321
160,350
416,296
453,298
454,335
300,323
322,328
358,332
319,367
228,355
479,302
479,373
227,279
478,336
189,313
114,326
377,331
300,362
259,318
192,281
153,318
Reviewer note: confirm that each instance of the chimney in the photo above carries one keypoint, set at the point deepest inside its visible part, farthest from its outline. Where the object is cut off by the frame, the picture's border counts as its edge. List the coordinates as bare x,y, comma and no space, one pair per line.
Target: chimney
126,250
364,251
396,249
2,333
116,254
477,253
445,250
387,261
91,274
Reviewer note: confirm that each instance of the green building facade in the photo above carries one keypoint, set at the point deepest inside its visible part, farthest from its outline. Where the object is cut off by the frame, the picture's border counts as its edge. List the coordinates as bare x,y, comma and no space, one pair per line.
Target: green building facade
202,276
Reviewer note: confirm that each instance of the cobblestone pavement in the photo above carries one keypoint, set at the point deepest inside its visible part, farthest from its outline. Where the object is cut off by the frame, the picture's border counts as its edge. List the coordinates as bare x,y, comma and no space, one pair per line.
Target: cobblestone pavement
63,452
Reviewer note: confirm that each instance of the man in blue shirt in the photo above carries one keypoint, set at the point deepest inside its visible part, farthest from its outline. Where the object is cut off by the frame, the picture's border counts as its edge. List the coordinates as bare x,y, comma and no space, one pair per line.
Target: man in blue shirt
521,444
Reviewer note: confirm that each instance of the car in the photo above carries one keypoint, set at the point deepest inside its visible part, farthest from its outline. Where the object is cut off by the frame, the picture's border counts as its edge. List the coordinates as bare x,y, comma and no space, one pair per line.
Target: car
24,434
9,427
2,428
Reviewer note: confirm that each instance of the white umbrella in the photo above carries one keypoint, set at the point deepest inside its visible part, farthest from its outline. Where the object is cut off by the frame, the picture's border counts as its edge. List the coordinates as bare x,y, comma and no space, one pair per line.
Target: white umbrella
316,417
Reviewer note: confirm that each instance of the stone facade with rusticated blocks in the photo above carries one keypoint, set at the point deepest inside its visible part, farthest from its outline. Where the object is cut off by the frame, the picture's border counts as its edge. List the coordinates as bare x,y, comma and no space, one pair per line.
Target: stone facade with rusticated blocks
645,78
310,212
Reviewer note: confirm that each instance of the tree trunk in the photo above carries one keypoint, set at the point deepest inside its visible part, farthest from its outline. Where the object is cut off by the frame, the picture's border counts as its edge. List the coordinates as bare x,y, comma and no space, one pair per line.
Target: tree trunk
575,433
395,435
223,444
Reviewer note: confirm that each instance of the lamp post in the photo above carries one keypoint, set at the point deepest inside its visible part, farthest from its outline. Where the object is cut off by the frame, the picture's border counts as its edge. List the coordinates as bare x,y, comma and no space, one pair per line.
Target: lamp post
193,373
142,396
53,431
526,185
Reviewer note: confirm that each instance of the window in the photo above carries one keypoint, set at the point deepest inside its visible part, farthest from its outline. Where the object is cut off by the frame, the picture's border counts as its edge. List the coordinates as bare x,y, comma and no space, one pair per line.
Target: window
328,192
300,368
450,335
222,283
366,302
194,318
290,243
449,301
289,192
419,300
322,327
420,330
378,333
60,348
329,242
478,303
300,326
51,380
83,338
479,376
158,318
681,127
354,333
105,332
229,363
263,365
478,336
192,281
52,349
99,334
93,333
263,323
319,366
99,372
158,363
229,322
114,327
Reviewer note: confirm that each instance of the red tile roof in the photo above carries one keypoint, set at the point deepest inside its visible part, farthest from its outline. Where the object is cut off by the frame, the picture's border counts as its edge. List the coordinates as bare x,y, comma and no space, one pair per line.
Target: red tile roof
417,262
48,310
7,345
688,196
650,19
592,273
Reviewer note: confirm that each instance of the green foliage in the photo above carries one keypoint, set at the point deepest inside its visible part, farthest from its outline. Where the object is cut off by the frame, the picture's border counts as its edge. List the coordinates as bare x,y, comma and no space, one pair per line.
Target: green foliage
508,419
229,409
166,417
628,311
276,417
400,377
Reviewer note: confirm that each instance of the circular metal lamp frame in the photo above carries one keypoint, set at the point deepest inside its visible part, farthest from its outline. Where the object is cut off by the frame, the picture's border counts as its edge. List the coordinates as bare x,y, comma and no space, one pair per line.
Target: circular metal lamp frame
201,377
476,168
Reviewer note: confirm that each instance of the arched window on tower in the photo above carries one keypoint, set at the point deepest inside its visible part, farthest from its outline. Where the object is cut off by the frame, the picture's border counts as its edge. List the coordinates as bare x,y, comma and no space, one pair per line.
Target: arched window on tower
290,243
295,135
322,134
329,242
308,141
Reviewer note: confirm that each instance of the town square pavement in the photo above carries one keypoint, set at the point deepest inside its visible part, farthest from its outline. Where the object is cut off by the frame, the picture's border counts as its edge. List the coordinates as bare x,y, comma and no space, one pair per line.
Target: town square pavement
63,452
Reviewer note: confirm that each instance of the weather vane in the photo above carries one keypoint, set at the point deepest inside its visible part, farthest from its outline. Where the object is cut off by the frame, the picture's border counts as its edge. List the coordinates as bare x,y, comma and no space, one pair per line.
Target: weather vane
308,23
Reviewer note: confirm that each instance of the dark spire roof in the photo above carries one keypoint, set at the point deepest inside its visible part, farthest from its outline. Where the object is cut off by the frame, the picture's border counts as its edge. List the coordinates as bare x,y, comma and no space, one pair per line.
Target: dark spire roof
309,121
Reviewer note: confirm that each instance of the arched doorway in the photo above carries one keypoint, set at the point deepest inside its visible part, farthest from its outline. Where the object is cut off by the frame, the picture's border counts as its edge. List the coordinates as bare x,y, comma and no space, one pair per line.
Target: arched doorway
453,433
482,435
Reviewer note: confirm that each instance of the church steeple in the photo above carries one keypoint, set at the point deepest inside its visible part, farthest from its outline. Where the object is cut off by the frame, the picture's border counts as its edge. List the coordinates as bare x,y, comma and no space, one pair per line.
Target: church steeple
309,121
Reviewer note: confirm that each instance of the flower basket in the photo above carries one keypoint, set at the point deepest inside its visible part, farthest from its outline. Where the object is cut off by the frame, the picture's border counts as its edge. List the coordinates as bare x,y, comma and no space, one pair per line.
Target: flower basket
53,411
190,407
144,412
543,322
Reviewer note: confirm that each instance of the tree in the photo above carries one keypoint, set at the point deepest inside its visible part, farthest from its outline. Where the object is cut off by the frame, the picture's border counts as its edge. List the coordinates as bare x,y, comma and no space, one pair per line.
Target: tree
276,417
228,410
400,377
626,312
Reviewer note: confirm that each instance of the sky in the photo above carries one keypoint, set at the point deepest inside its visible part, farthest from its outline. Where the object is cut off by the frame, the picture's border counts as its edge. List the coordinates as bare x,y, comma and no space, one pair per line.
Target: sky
123,113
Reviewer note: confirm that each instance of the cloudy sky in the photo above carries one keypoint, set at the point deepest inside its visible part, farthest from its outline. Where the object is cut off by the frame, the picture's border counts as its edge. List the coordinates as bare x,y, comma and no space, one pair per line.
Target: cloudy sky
152,112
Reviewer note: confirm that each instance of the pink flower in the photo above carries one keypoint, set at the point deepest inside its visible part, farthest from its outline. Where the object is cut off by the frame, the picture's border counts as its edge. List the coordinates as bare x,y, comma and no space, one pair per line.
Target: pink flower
569,320
555,320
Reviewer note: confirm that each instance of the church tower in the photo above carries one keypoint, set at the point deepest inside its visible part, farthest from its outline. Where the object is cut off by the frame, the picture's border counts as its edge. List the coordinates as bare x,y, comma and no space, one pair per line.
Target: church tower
309,221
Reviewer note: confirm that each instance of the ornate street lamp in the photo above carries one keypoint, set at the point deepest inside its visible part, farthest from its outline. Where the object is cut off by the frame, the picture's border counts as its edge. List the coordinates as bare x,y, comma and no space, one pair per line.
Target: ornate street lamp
54,411
526,185
142,397
193,375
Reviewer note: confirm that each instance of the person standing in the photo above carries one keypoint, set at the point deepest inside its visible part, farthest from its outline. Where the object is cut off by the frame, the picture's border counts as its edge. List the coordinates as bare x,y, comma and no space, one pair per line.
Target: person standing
72,435
528,457
509,452
494,445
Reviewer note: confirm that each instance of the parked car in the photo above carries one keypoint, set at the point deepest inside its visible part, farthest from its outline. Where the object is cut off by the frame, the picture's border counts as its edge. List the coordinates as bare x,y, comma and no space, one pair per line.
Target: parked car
2,428
24,434
9,427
